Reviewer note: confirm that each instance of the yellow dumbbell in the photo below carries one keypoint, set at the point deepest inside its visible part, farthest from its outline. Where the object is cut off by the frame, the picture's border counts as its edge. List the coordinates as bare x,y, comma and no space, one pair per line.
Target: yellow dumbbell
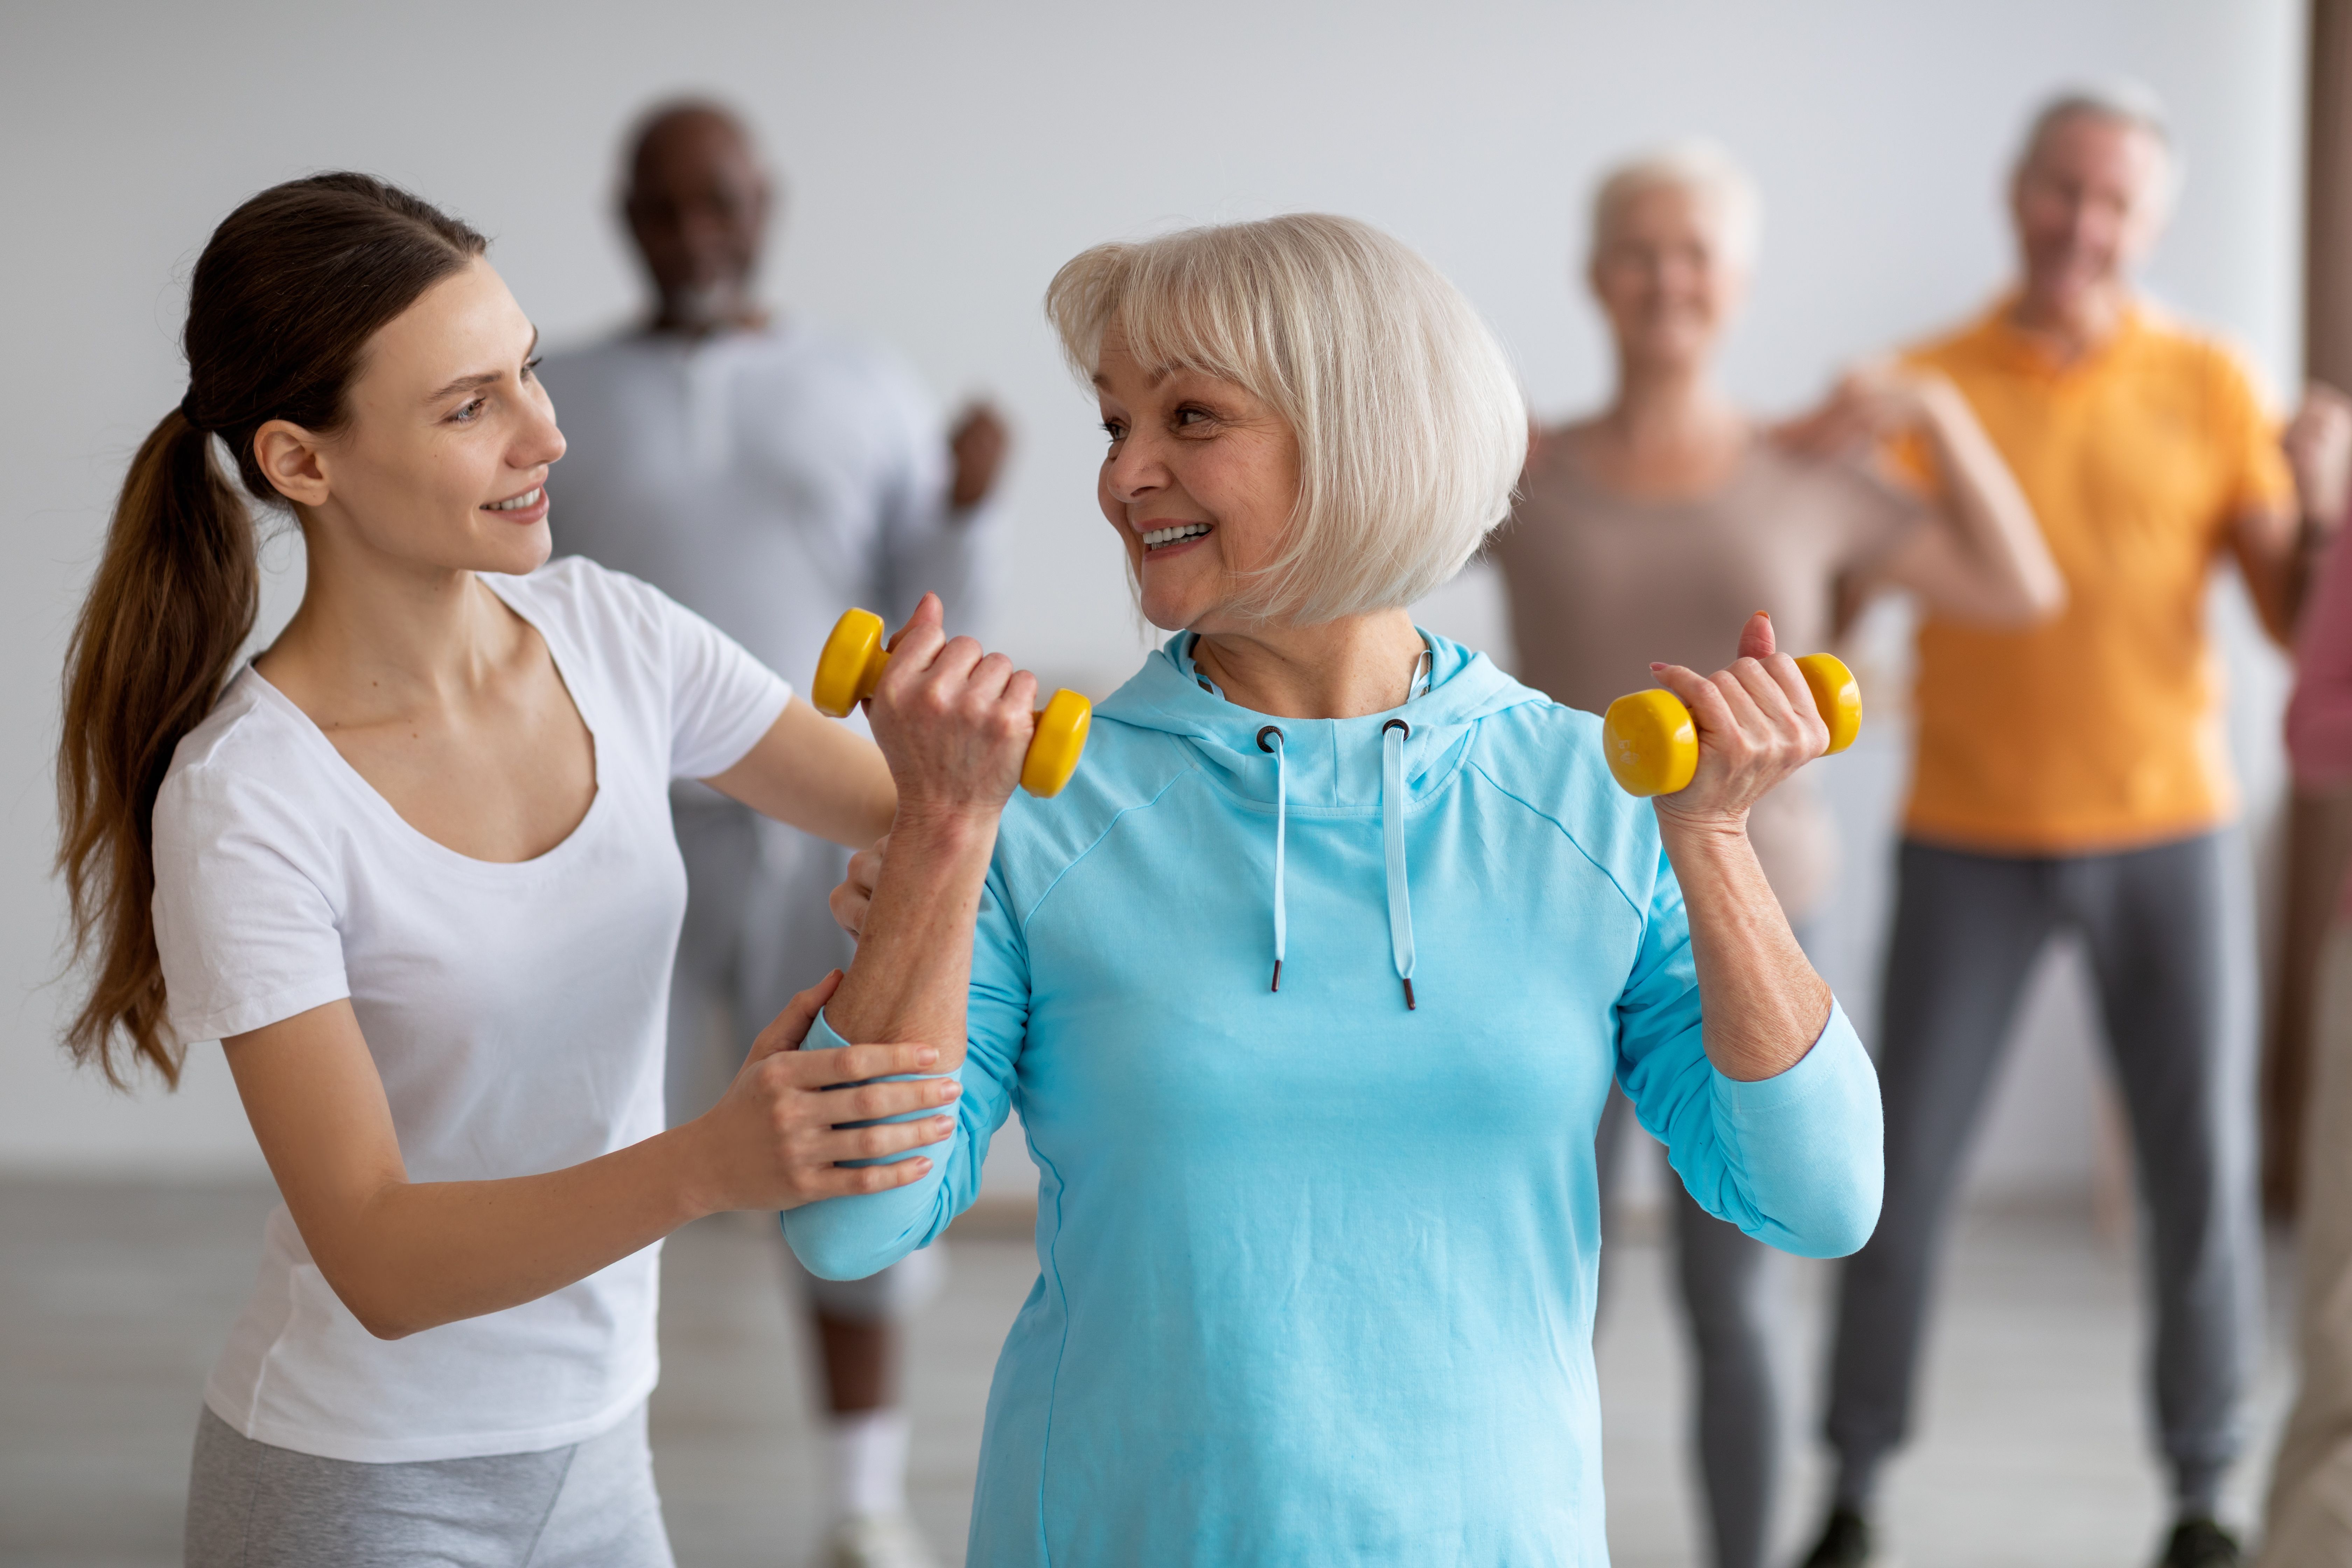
1653,747
854,659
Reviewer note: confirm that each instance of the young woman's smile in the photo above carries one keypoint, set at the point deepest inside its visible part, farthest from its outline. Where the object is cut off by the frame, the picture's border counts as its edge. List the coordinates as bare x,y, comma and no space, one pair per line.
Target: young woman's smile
528,507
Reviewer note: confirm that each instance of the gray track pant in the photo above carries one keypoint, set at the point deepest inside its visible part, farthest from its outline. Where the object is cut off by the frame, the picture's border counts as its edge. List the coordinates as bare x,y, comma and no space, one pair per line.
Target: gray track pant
1967,928
1725,1277
591,1504
1736,1424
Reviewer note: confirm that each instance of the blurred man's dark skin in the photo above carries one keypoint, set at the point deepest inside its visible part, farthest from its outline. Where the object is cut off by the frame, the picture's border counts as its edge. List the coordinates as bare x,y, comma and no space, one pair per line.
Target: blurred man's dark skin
698,206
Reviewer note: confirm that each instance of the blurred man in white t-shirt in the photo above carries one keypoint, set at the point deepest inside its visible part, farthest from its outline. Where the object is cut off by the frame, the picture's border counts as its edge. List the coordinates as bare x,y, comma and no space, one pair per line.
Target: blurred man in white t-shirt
767,474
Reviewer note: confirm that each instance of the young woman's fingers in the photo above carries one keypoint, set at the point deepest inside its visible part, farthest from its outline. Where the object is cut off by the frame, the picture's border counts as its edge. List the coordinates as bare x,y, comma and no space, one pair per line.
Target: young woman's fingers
790,1027
858,1181
881,1141
875,1101
843,1065
850,903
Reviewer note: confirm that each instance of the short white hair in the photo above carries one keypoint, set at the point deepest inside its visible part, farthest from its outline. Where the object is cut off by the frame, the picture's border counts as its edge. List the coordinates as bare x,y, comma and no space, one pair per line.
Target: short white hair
1702,170
2121,102
1411,430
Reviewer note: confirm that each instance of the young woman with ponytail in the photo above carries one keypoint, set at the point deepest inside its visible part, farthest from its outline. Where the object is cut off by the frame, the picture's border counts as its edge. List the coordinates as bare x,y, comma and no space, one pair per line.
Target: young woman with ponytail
413,867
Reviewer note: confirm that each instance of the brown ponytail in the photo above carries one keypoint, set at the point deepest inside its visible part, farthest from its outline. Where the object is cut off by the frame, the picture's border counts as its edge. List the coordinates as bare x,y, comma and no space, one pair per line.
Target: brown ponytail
284,300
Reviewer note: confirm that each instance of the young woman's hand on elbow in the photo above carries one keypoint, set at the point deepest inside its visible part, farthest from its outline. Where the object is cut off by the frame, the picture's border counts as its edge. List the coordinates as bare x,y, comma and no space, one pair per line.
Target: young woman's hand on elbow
778,1138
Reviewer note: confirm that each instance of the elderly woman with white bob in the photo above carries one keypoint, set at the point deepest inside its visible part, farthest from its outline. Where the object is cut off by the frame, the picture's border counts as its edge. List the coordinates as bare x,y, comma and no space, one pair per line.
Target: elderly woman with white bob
1311,985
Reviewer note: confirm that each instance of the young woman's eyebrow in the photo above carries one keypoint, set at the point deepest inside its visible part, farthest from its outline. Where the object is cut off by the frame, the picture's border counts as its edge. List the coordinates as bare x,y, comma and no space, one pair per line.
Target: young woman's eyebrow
480,378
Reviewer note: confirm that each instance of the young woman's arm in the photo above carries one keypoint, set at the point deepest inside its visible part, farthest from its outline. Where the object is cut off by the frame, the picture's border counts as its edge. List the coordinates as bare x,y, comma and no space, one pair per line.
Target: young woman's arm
405,1256
817,776
1984,559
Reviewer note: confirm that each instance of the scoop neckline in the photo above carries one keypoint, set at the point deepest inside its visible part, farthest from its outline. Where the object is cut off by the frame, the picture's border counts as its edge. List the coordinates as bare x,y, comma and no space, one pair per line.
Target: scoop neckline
1751,451
355,781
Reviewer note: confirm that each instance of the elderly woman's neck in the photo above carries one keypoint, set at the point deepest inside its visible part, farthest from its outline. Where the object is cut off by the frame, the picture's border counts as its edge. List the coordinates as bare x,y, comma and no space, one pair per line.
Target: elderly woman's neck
1668,403
1339,670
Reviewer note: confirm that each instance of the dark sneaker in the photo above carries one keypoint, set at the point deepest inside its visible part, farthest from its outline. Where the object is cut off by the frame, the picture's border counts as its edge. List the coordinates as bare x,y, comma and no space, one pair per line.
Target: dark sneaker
2201,1543
1845,1542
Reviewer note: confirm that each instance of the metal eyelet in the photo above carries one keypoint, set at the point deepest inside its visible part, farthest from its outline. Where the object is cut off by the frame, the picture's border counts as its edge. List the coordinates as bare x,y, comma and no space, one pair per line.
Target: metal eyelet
1398,724
1274,731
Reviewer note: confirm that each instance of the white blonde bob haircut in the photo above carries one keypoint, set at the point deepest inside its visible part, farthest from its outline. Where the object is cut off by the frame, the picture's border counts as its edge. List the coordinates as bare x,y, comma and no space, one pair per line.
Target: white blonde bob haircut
1699,169
1411,428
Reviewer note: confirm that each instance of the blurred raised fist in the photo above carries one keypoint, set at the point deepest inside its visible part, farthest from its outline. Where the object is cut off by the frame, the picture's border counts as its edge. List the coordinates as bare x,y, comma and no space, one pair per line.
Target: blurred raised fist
2318,442
978,444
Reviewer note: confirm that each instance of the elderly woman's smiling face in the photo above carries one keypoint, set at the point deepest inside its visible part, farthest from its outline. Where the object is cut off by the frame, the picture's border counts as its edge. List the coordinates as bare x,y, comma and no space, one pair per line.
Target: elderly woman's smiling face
1201,481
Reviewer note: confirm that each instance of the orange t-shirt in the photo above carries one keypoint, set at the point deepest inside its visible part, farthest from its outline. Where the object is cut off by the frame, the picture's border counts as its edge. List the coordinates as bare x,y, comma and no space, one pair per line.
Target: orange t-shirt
2100,729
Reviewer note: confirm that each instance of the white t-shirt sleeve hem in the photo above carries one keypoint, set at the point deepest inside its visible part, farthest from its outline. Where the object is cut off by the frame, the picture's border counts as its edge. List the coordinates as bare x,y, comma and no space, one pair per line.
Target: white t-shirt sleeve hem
735,743
259,1012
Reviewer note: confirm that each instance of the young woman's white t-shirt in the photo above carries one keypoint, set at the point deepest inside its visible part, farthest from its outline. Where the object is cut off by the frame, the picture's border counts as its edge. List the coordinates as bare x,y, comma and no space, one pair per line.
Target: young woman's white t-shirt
515,1011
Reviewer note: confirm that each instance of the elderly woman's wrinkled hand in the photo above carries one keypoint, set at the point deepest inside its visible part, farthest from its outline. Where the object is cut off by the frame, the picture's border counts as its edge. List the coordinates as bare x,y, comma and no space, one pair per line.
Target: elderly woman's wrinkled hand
1756,724
953,721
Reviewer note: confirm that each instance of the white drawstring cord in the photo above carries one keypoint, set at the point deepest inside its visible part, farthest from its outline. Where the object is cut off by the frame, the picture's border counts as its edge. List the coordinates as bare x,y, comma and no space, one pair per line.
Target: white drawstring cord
1281,822
1392,739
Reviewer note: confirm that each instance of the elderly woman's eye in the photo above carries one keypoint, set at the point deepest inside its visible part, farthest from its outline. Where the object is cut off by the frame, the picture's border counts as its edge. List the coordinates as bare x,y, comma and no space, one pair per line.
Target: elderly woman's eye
1189,415
1113,428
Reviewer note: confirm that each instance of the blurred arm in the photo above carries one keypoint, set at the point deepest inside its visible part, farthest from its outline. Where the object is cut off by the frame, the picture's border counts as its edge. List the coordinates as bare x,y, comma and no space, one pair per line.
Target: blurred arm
1986,559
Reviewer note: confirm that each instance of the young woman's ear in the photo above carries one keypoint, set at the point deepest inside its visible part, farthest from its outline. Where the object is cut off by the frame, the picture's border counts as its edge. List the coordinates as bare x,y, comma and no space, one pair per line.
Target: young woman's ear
290,458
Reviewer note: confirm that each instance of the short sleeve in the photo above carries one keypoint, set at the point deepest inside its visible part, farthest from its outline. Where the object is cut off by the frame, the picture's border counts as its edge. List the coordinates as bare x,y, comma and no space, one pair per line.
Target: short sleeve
2247,436
722,699
246,934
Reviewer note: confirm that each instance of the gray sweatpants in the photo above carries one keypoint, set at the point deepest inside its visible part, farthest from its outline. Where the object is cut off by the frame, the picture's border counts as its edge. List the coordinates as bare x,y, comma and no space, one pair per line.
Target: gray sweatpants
1724,1276
1735,1426
589,1505
1967,928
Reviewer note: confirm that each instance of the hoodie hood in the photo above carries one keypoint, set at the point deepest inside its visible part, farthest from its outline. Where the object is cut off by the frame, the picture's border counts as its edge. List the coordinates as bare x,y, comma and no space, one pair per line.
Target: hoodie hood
1333,765
1380,762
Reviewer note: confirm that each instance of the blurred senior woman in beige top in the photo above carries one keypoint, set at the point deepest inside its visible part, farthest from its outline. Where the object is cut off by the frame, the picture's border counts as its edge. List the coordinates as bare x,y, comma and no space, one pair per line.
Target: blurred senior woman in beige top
1654,528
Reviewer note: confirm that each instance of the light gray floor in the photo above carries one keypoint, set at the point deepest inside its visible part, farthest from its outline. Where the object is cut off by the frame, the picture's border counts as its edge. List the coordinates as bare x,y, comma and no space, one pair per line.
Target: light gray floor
112,1300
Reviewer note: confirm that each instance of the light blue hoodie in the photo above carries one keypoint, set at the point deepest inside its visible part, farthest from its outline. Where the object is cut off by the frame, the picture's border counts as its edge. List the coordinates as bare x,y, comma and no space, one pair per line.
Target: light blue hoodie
1316,1265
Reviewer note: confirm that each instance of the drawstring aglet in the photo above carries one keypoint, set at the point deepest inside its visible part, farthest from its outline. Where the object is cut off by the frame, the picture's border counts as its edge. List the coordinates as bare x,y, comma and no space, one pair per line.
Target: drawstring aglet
1408,992
1278,976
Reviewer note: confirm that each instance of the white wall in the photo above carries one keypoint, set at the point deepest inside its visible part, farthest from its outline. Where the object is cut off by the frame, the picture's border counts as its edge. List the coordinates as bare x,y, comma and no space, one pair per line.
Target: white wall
942,159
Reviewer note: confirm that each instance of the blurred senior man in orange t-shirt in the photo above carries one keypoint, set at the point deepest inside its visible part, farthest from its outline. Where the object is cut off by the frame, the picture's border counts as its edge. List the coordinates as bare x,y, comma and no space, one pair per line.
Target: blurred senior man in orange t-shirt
2071,775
